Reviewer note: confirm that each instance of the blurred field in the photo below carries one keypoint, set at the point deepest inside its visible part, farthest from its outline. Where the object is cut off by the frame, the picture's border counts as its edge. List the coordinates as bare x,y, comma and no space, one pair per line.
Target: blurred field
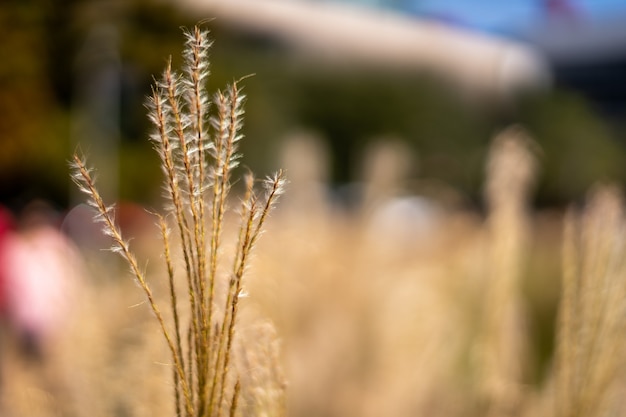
457,317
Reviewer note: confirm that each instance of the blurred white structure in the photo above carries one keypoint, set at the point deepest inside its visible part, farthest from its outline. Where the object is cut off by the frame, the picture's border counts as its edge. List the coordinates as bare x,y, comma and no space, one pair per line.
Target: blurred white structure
395,219
351,35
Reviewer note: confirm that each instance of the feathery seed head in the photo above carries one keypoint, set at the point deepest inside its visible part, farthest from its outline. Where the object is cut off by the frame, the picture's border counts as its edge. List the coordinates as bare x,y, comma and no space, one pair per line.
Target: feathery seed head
197,153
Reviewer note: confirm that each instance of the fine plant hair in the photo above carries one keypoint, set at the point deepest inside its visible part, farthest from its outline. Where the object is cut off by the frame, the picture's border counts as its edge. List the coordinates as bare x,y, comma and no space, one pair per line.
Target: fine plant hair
198,152
590,339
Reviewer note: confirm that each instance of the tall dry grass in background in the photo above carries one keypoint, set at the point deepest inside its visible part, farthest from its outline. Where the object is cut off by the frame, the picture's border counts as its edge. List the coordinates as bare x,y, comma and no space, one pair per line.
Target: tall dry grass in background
441,323
405,307
590,359
503,350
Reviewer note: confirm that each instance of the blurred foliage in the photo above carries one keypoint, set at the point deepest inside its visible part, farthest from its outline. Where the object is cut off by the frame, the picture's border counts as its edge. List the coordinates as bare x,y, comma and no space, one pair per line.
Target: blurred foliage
41,39
579,148
30,123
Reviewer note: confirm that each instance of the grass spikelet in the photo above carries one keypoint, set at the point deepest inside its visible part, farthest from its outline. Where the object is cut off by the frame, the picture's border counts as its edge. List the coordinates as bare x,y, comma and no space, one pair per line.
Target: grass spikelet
197,152
81,175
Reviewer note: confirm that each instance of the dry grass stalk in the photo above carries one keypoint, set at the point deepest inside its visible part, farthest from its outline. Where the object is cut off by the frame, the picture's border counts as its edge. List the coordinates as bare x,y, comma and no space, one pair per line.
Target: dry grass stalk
511,173
198,152
590,342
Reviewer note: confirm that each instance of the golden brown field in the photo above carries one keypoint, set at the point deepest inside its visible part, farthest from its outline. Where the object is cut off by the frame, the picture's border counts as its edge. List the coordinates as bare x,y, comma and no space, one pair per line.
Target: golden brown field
347,320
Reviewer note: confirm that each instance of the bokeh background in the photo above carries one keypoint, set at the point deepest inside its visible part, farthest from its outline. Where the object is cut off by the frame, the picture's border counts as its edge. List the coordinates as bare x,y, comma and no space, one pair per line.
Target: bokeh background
381,267
78,72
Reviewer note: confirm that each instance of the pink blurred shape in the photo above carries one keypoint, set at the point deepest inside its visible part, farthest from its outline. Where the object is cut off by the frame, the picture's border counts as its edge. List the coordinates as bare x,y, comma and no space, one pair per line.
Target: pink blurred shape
39,269
6,225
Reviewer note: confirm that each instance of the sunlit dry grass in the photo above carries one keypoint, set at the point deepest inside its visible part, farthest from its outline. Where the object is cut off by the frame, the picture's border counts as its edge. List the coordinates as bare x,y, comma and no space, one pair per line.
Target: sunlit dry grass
365,330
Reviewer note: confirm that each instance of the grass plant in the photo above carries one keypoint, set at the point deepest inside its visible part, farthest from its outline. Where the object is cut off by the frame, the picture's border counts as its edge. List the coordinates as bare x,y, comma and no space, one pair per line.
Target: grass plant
197,148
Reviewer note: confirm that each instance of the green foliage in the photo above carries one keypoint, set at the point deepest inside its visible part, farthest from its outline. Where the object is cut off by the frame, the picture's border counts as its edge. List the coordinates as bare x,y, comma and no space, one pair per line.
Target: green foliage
578,146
